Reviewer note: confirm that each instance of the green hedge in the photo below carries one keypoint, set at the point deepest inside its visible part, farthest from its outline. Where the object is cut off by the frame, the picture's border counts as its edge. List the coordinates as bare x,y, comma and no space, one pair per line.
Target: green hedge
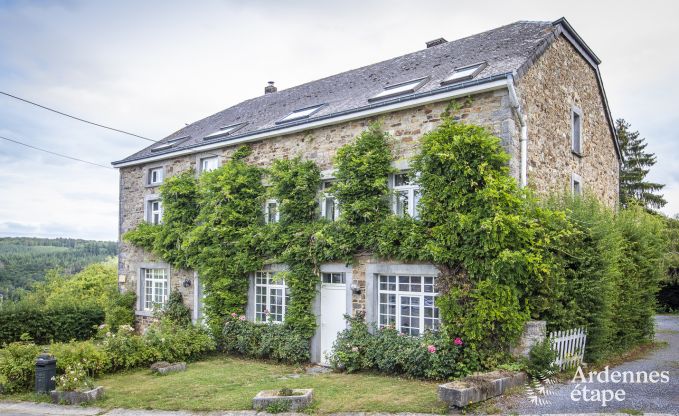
45,325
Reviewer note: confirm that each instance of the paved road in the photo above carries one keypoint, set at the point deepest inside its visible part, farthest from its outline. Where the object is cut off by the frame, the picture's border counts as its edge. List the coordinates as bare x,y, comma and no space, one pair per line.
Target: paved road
646,397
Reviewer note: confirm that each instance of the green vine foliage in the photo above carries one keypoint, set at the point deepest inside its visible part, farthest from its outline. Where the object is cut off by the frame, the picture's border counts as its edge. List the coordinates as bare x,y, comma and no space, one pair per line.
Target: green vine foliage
224,244
503,256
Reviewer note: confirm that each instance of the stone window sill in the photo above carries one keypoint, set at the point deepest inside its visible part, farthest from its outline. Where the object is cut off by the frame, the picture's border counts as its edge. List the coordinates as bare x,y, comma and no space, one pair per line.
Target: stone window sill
578,154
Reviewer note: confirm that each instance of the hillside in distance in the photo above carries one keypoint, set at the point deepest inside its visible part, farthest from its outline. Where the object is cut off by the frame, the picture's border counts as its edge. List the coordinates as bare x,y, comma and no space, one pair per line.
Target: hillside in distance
24,260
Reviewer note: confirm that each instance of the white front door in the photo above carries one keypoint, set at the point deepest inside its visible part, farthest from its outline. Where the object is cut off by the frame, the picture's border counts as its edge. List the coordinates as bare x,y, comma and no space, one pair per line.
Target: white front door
333,308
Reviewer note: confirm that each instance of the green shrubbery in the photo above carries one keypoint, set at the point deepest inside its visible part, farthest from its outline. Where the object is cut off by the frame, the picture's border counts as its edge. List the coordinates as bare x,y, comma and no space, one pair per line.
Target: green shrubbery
110,351
52,324
432,356
17,365
264,340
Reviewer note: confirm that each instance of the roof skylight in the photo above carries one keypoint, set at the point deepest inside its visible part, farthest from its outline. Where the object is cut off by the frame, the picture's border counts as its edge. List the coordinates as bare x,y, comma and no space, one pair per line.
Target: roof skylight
301,113
464,73
169,144
224,131
400,89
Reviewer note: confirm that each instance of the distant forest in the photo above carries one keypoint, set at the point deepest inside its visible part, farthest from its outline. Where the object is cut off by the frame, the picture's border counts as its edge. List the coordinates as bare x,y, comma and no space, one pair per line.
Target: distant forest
25,260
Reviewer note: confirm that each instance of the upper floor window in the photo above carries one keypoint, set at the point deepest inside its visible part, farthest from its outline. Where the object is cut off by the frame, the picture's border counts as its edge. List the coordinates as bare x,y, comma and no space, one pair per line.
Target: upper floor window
154,211
576,131
209,163
406,194
154,285
271,212
155,176
272,297
329,204
408,303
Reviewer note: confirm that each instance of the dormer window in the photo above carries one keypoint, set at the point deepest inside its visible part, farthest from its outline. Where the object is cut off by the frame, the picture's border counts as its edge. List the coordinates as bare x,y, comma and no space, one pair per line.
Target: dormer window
464,73
300,114
224,131
403,88
169,144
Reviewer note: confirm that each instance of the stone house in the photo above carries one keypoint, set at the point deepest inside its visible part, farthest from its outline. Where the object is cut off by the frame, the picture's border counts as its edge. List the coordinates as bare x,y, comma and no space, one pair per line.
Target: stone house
536,85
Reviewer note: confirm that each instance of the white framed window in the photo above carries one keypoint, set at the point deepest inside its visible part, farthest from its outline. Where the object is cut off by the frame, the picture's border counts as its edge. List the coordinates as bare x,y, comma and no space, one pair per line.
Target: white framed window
406,194
334,278
155,176
155,284
301,113
209,163
408,303
402,88
464,73
154,211
271,212
576,185
272,297
329,204
576,131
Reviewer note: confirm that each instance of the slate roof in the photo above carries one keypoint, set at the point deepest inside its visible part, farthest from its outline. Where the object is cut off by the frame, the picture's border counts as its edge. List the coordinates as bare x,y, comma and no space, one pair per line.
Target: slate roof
506,50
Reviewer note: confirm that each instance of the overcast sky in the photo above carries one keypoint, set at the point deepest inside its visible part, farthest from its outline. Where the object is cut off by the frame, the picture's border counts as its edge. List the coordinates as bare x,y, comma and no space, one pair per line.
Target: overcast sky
150,67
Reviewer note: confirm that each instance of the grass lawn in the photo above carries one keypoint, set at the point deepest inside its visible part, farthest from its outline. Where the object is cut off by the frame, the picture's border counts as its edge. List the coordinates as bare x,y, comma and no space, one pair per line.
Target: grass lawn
228,383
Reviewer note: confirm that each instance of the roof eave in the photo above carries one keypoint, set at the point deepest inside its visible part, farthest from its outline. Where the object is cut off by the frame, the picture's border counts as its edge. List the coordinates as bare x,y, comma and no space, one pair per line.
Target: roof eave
373,108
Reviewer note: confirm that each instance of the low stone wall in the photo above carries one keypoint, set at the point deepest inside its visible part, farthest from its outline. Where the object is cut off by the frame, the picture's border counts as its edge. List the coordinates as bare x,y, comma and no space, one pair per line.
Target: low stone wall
534,332
478,388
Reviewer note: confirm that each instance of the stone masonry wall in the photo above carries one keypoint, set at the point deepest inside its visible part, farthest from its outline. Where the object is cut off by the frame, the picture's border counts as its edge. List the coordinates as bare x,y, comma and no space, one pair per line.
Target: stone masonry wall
559,80
489,109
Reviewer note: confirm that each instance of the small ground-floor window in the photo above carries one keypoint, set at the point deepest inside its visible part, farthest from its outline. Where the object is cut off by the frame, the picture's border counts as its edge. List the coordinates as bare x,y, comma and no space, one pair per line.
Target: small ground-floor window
408,303
155,287
271,297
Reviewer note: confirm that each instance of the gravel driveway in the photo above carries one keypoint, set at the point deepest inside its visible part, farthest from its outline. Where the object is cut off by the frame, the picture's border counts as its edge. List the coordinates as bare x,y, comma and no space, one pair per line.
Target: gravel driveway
646,397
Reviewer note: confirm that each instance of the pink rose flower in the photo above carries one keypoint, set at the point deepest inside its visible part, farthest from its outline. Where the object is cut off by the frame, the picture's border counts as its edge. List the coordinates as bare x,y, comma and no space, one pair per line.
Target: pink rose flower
242,317
458,341
431,349
354,349
234,314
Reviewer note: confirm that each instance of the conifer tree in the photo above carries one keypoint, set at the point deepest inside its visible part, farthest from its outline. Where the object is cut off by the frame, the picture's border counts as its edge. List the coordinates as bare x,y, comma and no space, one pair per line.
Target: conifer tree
635,166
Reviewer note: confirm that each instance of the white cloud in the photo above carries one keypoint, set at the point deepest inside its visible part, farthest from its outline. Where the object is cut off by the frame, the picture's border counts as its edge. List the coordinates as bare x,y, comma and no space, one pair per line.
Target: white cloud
150,67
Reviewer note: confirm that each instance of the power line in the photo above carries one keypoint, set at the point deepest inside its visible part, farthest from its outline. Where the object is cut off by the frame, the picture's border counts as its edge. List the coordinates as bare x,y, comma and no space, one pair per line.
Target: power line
77,118
54,153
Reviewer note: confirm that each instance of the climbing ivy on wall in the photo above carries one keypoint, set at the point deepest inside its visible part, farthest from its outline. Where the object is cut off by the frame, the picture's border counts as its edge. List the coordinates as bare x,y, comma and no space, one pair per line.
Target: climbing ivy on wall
503,256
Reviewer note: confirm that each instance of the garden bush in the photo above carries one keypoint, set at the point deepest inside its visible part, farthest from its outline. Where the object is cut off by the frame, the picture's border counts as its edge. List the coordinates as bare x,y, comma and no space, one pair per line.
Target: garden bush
175,310
120,310
541,358
82,354
17,365
264,340
53,324
431,356
172,342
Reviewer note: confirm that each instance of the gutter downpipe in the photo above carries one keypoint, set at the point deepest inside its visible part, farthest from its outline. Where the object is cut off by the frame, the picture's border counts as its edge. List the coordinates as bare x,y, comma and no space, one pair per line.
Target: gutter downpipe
523,141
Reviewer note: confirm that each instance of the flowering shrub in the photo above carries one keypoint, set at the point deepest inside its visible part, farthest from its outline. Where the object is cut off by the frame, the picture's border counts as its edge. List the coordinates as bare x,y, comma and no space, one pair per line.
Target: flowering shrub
74,378
432,356
264,340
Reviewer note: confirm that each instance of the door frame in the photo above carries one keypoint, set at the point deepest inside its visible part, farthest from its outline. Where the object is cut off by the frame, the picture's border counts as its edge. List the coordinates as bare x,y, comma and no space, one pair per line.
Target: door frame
329,268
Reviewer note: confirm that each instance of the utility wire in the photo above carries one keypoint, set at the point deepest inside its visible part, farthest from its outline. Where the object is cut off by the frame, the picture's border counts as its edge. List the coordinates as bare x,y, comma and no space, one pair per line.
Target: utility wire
54,153
77,118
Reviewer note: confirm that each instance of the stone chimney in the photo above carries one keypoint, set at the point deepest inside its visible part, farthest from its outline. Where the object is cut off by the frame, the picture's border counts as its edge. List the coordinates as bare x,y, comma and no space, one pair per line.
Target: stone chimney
436,42
270,88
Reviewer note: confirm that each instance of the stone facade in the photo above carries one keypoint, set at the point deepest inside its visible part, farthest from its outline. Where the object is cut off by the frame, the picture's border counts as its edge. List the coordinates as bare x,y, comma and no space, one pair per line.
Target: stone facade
559,81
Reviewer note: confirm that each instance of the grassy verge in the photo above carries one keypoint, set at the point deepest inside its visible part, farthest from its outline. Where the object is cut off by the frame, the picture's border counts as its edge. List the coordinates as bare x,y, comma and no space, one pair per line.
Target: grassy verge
227,383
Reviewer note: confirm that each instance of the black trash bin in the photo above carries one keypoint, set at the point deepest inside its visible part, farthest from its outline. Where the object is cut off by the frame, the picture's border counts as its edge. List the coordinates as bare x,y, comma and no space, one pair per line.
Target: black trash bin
45,373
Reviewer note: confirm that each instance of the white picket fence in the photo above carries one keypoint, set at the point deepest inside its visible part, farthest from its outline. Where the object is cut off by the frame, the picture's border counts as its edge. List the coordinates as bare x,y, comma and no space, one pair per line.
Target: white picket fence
569,346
